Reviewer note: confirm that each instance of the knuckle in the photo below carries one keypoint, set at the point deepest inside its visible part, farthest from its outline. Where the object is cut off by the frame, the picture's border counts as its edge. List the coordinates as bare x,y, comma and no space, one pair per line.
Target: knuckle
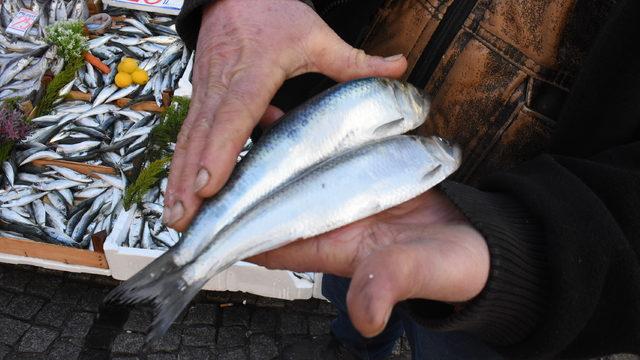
357,57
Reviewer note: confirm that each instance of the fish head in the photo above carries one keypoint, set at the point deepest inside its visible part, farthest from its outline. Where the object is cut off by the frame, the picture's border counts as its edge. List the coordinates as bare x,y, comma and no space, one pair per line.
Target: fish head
412,103
448,155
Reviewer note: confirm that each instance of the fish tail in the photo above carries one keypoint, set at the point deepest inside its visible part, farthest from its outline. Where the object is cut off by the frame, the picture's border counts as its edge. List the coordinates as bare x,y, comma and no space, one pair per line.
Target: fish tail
162,285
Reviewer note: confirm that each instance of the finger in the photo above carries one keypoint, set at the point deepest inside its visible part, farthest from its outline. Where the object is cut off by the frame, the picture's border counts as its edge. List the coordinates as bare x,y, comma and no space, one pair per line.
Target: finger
180,198
270,116
335,58
244,104
334,252
450,265
378,283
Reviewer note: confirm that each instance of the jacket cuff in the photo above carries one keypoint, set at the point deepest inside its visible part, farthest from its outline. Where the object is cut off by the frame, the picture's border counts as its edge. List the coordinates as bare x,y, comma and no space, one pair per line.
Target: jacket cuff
190,18
513,301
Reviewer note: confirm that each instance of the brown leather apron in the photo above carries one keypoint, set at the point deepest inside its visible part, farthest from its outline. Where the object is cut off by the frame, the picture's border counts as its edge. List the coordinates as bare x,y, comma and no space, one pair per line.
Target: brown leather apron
498,71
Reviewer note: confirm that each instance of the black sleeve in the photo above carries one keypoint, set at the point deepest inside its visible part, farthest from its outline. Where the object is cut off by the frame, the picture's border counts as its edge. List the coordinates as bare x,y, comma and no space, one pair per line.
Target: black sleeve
189,19
563,229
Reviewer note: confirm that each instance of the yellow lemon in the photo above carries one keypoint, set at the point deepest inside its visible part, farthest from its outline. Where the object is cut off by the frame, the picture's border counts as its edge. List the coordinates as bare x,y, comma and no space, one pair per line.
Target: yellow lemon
123,80
128,65
140,77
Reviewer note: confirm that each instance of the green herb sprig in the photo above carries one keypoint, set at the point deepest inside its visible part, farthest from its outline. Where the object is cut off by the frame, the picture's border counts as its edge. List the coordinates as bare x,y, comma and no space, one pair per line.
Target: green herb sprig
65,76
69,39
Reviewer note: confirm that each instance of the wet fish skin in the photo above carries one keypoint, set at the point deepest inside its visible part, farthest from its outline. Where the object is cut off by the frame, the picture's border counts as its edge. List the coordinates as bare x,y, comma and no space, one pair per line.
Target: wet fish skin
330,123
24,200
351,186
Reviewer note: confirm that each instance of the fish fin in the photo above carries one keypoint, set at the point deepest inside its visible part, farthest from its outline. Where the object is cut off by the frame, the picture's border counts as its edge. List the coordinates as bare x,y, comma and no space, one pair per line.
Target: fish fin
389,128
162,285
168,295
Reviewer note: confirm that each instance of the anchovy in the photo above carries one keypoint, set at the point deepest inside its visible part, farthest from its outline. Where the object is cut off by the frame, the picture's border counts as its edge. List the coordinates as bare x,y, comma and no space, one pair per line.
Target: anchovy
22,201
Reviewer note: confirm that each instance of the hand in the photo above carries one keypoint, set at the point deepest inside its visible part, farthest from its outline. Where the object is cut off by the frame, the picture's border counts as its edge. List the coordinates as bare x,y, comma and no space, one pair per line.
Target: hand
424,248
245,51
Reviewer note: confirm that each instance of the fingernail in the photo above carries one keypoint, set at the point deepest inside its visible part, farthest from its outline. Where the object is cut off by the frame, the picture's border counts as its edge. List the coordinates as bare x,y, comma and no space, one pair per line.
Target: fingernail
166,215
202,179
176,212
394,58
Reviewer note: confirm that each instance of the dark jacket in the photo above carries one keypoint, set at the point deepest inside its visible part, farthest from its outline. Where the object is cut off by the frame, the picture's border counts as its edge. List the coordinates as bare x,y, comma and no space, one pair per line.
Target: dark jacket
544,97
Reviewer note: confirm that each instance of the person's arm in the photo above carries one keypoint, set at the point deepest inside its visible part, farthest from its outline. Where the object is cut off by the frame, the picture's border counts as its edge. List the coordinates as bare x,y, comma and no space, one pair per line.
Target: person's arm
563,230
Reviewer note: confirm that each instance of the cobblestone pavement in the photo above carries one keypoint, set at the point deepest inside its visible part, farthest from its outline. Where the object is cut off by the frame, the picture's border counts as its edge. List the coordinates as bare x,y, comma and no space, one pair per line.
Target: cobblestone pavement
54,315
47,314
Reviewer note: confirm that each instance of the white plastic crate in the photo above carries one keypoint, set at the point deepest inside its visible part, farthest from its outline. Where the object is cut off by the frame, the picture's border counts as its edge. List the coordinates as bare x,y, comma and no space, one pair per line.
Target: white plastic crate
124,262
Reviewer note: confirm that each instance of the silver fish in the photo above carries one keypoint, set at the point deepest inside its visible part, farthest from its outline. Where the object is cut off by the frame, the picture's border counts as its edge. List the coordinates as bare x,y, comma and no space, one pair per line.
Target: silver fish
22,201
71,175
329,123
56,185
10,216
122,93
9,172
349,187
104,94
39,213
41,155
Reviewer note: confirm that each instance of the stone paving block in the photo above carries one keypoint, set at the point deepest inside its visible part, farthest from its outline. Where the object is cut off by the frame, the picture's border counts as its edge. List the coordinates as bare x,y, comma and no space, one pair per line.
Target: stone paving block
24,306
37,339
201,314
326,308
78,325
236,354
262,347
235,315
292,323
199,336
63,349
162,356
319,325
26,356
125,358
92,299
269,302
127,343
295,339
82,277
4,350
231,336
69,293
308,305
44,285
15,280
139,320
168,342
11,330
264,320
5,297
217,296
191,353
53,314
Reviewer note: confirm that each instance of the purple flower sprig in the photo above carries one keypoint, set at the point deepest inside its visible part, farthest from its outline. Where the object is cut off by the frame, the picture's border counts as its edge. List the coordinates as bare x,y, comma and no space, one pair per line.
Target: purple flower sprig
13,126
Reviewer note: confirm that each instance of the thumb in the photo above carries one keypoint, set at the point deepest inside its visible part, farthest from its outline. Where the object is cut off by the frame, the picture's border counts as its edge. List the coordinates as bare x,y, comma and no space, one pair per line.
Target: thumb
338,60
379,282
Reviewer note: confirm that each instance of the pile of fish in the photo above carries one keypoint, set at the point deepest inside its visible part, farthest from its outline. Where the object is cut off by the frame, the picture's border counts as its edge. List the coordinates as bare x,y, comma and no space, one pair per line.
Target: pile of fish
49,12
334,160
95,133
24,61
153,41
